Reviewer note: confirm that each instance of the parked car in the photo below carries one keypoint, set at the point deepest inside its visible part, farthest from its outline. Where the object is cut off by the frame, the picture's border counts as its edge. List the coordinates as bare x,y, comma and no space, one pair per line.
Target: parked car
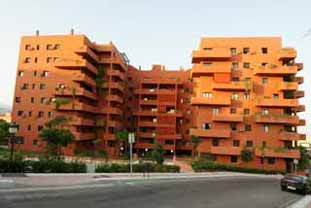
295,183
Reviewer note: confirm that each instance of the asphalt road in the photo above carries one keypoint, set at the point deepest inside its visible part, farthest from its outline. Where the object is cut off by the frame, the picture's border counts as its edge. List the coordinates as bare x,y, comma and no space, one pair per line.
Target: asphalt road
207,192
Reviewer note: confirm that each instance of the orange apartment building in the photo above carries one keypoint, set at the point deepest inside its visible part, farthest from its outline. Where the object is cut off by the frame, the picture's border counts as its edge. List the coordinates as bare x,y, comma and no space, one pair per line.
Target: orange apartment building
240,93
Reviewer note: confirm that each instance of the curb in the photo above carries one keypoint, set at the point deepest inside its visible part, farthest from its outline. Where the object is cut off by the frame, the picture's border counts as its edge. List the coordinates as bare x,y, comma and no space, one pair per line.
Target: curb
304,202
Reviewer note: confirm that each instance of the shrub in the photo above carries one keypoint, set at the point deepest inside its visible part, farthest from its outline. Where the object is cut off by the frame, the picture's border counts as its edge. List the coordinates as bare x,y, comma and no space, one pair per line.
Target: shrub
246,155
204,165
137,168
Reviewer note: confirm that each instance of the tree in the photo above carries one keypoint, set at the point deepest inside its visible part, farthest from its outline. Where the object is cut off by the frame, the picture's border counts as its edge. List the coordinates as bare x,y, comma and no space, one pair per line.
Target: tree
157,154
122,136
246,155
304,158
195,140
4,131
56,136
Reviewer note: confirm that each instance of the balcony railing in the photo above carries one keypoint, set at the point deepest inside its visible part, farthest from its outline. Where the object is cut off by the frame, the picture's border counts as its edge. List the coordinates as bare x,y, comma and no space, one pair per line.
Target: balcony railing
276,70
288,86
201,69
78,92
84,78
277,119
212,54
116,73
81,136
218,133
211,101
299,94
155,91
234,86
227,118
219,150
287,53
86,51
115,98
269,102
73,63
286,153
292,136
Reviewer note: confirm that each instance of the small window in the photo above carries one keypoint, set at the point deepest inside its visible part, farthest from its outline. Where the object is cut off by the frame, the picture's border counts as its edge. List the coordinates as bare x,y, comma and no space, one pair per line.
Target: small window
49,59
40,114
50,114
38,47
249,143
29,127
28,47
246,50
20,113
32,99
266,128
20,73
25,86
42,86
207,49
264,81
264,64
206,126
44,74
215,111
265,112
271,160
246,111
29,113
236,143
188,111
247,96
207,94
33,86
57,46
275,96
34,73
235,66
18,99
233,51
233,126
234,159
264,50
248,127
233,110
215,142
35,142
43,100
235,96
40,128
246,65
207,64
27,60
235,79
264,144
49,47
36,60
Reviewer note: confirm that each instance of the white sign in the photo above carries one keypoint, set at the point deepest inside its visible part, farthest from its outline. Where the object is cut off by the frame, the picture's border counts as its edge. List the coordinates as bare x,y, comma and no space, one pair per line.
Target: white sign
296,161
131,138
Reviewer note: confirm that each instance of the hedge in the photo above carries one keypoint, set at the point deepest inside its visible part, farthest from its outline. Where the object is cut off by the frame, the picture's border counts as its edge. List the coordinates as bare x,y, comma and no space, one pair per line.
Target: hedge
42,166
205,165
137,168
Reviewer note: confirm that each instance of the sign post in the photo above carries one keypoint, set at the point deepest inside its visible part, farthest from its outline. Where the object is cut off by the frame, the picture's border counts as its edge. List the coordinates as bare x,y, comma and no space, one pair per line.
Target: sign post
131,140
295,165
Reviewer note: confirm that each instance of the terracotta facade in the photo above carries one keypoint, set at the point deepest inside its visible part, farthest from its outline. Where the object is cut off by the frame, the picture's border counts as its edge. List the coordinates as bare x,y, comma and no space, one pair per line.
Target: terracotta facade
240,93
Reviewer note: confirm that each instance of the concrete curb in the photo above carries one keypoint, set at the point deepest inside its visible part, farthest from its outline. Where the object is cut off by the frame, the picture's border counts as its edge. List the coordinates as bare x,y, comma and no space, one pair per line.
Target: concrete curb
304,202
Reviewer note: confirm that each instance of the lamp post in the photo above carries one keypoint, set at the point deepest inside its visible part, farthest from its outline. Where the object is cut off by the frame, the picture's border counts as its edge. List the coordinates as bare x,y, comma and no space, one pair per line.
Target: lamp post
12,130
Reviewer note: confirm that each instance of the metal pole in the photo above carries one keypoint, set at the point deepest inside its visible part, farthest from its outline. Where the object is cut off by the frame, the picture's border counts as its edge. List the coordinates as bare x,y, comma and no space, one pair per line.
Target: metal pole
12,148
131,168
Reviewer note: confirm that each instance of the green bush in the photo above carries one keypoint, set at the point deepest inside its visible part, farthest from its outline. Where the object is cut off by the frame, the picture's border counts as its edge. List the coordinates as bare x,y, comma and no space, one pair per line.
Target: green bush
137,168
42,166
204,165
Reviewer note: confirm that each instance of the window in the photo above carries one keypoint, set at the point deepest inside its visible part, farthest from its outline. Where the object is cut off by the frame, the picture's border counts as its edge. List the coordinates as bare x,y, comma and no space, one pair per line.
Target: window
43,100
32,99
235,96
207,64
29,127
34,73
215,142
265,112
275,96
56,46
42,86
44,74
29,113
38,47
271,160
206,126
40,114
246,65
264,144
233,110
233,51
264,50
235,66
247,96
25,86
20,113
207,49
49,59
35,142
36,60
264,64
28,47
235,79
236,143
264,81
40,128
266,128
248,127
49,47
234,159
246,50
207,94
215,111
188,111
249,143
18,99
61,86
20,73
246,111
233,126
27,60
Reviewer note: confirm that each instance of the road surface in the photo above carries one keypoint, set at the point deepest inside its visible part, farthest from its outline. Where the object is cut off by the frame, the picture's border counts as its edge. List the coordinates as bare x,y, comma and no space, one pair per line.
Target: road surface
261,192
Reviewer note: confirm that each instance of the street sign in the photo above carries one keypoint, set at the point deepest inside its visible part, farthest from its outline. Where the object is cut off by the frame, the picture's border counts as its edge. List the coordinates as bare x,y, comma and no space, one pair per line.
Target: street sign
131,138
296,161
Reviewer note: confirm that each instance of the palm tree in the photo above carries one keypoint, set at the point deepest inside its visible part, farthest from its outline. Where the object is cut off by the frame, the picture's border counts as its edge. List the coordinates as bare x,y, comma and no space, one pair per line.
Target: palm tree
195,140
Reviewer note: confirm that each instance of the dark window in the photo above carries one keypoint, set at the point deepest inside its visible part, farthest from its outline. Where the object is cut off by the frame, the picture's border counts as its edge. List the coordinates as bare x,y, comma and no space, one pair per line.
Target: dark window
27,60
215,142
50,114
20,73
264,50
28,47
32,99
264,64
249,143
235,79
40,114
235,66
206,126
234,159
233,110
233,51
246,65
35,142
25,86
264,81
246,50
40,128
29,113
35,73
236,143
264,144
246,111
18,99
20,113
233,126
38,47
248,127
29,127
271,160
42,86
36,60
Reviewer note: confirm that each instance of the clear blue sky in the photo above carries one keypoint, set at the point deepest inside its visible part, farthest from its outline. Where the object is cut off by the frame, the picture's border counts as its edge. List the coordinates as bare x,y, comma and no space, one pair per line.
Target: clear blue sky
154,31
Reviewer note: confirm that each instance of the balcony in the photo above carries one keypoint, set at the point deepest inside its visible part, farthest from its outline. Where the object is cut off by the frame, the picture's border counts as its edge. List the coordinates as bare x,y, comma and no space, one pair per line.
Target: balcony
299,94
114,98
277,102
116,73
214,133
287,53
219,150
299,80
114,85
111,110
214,54
169,136
147,134
292,136
84,78
168,81
109,137
82,122
114,60
286,153
277,119
228,118
81,136
148,102
202,70
224,101
72,63
79,92
302,122
148,124
144,145
155,91
300,108
156,113
114,124
87,52
78,107
233,86
283,86
277,70
299,66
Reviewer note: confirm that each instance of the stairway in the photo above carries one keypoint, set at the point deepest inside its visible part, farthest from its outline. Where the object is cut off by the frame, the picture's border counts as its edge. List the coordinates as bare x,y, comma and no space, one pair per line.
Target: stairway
184,165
